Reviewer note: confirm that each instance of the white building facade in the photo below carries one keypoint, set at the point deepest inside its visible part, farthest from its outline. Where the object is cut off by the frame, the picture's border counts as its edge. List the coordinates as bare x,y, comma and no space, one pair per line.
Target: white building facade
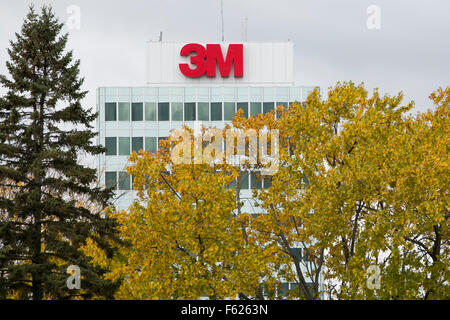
134,118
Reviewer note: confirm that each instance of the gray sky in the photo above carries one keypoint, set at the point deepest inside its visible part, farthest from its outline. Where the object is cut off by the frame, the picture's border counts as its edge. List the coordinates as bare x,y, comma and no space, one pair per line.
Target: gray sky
410,53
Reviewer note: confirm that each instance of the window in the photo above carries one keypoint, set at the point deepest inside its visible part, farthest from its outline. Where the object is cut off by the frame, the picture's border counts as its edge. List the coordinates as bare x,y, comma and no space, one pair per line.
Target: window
163,111
150,111
150,144
283,289
294,286
137,143
229,110
244,180
177,111
137,111
305,179
124,146
203,111
232,185
267,182
244,107
255,181
306,256
283,93
267,107
124,111
189,111
110,179
255,108
284,104
216,111
160,139
297,253
124,181
110,111
111,146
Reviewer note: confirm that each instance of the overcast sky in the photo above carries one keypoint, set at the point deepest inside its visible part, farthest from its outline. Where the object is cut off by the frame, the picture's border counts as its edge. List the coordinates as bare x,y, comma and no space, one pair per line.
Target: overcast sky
409,53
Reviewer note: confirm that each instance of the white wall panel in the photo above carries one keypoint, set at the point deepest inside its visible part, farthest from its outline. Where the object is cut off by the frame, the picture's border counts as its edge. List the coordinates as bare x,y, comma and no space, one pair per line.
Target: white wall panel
265,63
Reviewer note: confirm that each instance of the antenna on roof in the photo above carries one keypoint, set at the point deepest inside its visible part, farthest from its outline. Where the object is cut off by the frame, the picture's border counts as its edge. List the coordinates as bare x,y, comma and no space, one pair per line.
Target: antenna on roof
221,15
160,36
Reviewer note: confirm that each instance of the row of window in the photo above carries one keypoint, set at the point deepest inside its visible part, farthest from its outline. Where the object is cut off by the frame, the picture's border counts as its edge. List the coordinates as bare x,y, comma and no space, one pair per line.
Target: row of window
207,91
124,146
123,181
187,111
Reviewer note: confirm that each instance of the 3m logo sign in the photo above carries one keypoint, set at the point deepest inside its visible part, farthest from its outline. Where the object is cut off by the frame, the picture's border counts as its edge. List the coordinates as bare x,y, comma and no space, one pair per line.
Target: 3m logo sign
206,59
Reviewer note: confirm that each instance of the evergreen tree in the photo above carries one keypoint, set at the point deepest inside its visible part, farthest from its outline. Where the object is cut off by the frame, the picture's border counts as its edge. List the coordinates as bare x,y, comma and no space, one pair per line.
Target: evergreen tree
43,130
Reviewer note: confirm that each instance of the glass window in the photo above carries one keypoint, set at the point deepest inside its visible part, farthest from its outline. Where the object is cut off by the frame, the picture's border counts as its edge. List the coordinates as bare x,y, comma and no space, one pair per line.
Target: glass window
110,179
124,91
163,111
150,91
244,180
306,92
268,106
177,111
216,93
137,111
137,91
190,94
110,91
124,146
203,111
242,94
229,110
255,93
244,107
229,93
256,181
232,185
150,111
269,94
150,144
124,111
294,94
267,182
283,289
284,104
297,253
189,111
163,92
216,111
306,256
202,92
111,146
124,180
161,139
305,179
255,108
283,94
110,111
176,92
137,143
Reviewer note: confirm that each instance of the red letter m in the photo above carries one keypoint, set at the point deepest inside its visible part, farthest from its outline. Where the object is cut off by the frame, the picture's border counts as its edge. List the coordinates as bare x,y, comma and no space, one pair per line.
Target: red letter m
214,56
